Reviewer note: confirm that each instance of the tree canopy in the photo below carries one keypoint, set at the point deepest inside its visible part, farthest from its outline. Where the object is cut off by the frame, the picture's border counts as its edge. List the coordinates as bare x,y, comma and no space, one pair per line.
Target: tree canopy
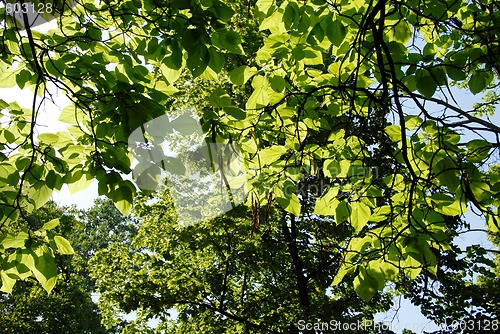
219,276
352,118
69,307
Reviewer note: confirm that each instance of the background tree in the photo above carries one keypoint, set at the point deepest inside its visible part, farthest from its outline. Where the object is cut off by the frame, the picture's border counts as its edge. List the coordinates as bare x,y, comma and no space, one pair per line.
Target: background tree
69,308
226,275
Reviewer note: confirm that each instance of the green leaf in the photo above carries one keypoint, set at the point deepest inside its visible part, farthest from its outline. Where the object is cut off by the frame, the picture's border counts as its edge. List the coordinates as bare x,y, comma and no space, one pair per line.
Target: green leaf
78,181
260,95
478,82
198,61
412,267
383,271
264,5
249,145
231,41
16,266
438,75
23,77
272,21
336,32
493,223
51,224
327,205
291,205
63,246
360,214
478,150
449,176
185,124
380,213
298,53
173,165
402,32
17,240
48,138
271,154
278,83
316,35
236,112
344,271
222,11
312,57
171,75
6,170
412,122
45,271
149,178
455,73
40,194
394,132
165,88
53,180
217,59
366,284
174,60
7,282
240,75
448,205
291,15
7,79
426,84
219,98
482,192
3,104
68,115
124,206
342,212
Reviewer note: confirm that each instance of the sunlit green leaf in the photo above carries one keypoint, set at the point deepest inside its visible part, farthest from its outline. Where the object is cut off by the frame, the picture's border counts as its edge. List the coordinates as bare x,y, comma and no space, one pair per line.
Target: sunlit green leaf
45,271
48,138
327,205
16,240
7,282
291,204
402,31
394,132
63,246
360,214
240,75
124,206
51,224
271,154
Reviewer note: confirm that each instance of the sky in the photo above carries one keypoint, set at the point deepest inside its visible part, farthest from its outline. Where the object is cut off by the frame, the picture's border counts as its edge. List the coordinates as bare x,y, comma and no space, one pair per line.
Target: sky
404,315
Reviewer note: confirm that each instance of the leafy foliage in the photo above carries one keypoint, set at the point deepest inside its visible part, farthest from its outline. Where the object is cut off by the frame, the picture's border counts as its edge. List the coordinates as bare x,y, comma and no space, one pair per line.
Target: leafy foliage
358,98
466,285
226,275
69,308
